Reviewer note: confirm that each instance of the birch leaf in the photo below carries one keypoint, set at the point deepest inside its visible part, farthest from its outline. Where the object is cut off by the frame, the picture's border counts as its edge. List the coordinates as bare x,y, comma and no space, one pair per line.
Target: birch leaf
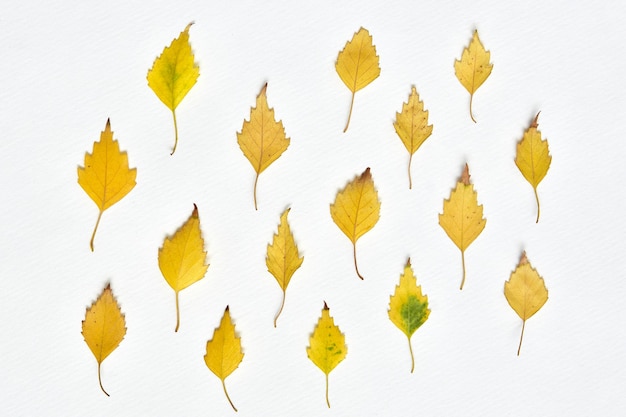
327,345
182,258
104,327
356,209
106,177
462,217
412,126
173,74
526,292
262,139
408,308
223,351
357,64
533,157
283,258
473,68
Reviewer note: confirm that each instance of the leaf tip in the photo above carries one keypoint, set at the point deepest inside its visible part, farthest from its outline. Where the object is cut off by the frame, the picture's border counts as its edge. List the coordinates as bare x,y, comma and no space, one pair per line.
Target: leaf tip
366,175
194,213
227,309
188,26
465,176
535,122
408,262
523,259
326,306
108,126
263,90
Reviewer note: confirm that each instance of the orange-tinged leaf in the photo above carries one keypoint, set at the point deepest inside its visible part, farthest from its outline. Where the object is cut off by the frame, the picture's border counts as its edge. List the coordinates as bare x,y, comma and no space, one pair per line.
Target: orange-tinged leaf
533,157
412,126
223,351
356,209
357,64
104,327
408,307
182,258
173,73
473,68
462,217
262,139
327,345
526,292
283,258
106,177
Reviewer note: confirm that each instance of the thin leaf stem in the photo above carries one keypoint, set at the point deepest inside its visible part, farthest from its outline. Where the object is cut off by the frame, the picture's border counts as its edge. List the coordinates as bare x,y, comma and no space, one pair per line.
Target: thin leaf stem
412,359
93,235
349,114
227,396
100,381
282,304
410,180
538,209
327,401
177,313
256,180
521,337
471,115
463,262
175,132
355,263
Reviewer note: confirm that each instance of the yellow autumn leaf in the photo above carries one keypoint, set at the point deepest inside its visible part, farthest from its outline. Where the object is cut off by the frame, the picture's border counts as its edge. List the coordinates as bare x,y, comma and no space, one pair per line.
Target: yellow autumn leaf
462,217
173,73
106,177
408,308
526,292
223,351
327,345
262,139
412,126
283,258
357,64
356,209
104,327
182,258
533,157
473,68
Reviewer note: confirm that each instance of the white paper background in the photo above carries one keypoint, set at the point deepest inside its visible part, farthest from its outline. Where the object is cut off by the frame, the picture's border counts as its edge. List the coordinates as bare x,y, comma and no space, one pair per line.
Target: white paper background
68,66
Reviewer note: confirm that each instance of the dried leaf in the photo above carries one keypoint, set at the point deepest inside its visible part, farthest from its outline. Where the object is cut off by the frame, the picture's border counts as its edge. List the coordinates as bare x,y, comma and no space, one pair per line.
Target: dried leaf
357,64
104,327
223,351
526,292
262,140
412,126
533,157
173,74
462,217
473,68
408,308
182,258
327,345
356,209
106,177
283,258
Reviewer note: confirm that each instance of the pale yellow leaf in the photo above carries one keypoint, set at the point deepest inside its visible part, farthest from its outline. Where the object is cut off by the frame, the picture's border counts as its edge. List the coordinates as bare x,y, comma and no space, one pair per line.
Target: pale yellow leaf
356,209
262,139
182,258
412,126
357,64
173,73
473,68
327,345
283,258
223,351
106,177
462,217
408,307
104,327
533,157
526,292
